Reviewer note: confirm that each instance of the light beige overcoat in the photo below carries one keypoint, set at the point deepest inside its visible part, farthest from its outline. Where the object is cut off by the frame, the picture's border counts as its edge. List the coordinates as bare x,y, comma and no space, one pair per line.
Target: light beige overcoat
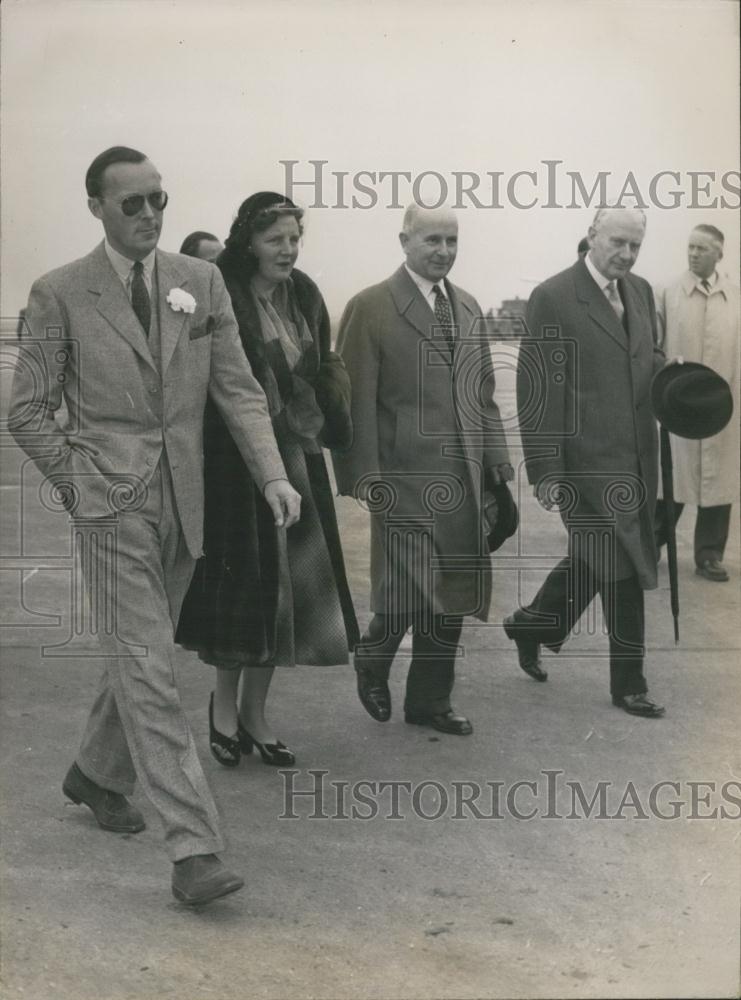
707,329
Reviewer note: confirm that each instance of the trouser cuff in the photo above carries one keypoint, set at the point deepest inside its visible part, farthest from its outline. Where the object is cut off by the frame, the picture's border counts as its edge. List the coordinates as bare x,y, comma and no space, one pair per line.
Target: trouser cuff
637,686
437,707
186,848
104,780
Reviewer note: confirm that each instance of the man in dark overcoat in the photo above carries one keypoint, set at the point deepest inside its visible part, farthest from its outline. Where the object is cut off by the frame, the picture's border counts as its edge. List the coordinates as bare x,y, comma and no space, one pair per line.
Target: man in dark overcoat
591,448
427,438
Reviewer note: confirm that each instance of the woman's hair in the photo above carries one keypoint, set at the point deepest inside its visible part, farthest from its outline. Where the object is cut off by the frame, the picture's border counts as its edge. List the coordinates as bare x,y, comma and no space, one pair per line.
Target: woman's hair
256,214
193,240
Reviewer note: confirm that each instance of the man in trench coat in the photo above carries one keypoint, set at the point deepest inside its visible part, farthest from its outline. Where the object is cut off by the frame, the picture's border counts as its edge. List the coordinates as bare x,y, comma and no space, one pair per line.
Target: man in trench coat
699,321
130,341
591,448
427,438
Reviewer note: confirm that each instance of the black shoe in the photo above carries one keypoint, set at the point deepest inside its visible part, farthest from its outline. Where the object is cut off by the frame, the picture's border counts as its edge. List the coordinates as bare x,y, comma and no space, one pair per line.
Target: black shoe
374,695
528,650
225,749
444,722
712,569
201,879
277,754
638,704
246,742
112,810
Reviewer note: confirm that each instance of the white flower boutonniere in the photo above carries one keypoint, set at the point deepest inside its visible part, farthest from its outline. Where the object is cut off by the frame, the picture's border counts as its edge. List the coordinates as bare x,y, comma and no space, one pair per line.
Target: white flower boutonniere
181,301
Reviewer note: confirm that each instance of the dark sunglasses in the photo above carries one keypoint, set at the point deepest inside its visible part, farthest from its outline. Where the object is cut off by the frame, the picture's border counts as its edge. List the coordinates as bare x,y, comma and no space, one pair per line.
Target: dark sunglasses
135,202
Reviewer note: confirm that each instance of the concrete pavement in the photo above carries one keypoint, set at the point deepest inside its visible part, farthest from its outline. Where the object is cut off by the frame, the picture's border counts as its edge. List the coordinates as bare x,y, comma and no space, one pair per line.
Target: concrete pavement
476,903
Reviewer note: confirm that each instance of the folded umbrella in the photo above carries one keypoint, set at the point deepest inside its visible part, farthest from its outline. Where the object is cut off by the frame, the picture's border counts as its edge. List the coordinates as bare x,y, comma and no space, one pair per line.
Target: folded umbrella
667,485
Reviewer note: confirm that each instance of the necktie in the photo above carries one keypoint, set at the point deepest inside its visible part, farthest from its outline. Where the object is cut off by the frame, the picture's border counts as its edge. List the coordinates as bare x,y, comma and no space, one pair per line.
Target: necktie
443,314
706,285
613,298
140,296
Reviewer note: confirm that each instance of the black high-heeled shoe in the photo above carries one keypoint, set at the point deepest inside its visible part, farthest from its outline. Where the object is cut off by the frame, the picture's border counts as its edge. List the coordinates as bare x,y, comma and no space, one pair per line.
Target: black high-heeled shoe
225,749
246,742
277,754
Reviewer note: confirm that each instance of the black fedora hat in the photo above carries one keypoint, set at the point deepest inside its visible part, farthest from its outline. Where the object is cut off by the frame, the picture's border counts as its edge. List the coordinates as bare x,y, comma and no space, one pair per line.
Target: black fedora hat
500,515
691,400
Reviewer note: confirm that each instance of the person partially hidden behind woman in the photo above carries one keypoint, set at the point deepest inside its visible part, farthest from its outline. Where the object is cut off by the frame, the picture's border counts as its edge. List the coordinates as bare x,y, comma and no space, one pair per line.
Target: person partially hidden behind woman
262,597
201,244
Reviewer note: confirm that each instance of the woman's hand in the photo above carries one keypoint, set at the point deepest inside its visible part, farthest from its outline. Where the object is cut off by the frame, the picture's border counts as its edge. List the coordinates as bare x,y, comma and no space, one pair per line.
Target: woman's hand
284,502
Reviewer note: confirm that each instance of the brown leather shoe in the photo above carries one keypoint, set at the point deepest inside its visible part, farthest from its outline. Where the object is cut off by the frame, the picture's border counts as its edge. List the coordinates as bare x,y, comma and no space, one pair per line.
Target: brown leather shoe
639,704
202,878
712,569
374,695
528,650
444,722
112,810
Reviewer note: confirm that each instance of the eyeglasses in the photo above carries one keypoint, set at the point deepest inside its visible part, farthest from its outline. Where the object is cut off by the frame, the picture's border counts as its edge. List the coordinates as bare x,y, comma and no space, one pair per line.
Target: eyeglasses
135,202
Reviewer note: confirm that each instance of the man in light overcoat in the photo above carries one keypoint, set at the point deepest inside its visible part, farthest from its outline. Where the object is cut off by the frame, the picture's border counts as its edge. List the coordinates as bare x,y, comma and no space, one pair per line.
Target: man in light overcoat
700,320
427,436
130,340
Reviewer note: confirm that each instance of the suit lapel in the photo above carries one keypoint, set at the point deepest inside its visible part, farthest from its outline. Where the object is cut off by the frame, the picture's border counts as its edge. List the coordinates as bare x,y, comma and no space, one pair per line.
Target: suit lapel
113,303
636,317
415,310
410,303
463,318
599,309
169,276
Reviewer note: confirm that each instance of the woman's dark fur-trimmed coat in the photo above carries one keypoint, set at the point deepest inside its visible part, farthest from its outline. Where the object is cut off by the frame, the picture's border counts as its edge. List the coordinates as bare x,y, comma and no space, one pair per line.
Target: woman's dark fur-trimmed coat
232,612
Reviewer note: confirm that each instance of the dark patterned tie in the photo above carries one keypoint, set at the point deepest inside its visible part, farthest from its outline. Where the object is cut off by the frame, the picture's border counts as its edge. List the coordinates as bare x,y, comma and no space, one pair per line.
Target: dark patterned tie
140,296
706,285
443,315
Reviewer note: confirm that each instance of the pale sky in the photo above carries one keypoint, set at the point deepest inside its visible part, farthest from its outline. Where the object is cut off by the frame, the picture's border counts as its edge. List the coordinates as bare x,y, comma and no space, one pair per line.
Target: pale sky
217,93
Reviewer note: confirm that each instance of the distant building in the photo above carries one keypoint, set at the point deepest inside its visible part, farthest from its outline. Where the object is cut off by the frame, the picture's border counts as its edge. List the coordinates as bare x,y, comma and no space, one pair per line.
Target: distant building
512,307
509,322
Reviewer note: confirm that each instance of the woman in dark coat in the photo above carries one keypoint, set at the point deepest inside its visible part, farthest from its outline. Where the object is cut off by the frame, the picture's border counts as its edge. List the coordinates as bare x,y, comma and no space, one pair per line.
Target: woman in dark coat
262,597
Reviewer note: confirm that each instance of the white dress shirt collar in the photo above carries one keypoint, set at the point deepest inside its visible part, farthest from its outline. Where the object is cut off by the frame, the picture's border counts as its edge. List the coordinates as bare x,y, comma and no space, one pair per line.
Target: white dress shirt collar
123,266
711,280
601,280
425,286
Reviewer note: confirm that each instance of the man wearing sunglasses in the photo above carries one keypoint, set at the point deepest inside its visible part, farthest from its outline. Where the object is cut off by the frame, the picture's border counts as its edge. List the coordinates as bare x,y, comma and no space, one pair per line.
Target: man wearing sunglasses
132,340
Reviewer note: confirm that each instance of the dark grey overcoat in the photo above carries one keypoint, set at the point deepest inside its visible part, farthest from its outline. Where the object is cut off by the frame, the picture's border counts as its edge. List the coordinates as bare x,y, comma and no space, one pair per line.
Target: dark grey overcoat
583,388
426,428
